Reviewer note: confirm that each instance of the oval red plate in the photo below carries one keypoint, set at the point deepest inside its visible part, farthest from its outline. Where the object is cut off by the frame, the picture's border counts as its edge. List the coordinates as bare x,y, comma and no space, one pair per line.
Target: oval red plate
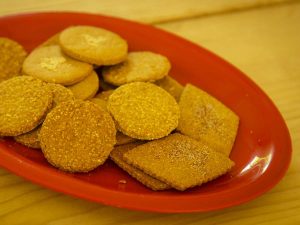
262,151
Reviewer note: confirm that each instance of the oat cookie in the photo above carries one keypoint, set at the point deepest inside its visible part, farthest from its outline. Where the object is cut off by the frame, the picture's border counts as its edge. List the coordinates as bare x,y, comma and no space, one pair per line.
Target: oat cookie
53,40
30,139
117,156
77,136
50,64
139,66
205,118
171,85
143,110
12,55
86,88
93,45
24,102
179,161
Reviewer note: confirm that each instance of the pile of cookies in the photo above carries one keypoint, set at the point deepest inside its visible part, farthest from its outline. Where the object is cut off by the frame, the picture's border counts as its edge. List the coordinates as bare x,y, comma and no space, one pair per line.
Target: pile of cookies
82,98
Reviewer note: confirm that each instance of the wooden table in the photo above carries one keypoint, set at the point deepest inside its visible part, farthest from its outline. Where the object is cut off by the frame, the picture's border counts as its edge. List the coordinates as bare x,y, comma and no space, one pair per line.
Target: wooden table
260,37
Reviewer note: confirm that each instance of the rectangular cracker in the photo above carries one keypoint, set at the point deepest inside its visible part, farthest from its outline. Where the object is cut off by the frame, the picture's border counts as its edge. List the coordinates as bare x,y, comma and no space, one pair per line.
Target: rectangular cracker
117,156
179,161
204,118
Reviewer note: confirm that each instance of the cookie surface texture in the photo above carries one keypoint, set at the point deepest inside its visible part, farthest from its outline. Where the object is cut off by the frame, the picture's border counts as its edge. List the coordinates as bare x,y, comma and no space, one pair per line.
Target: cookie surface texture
179,161
93,45
12,55
24,102
51,65
143,110
77,136
138,66
117,156
86,88
205,118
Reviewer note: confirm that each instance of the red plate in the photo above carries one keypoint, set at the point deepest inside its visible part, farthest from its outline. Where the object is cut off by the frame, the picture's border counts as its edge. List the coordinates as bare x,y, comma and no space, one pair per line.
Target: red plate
262,151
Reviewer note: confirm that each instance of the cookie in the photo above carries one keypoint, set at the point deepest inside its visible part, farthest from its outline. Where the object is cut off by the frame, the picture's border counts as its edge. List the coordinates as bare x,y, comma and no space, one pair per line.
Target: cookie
143,110
105,86
123,139
104,95
60,94
205,118
86,88
12,56
77,136
171,86
117,156
53,40
179,161
24,102
51,65
30,139
93,45
138,66
99,102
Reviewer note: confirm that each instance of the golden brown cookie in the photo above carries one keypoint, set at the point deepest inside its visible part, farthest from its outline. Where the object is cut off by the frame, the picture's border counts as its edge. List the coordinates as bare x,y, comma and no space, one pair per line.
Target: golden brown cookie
60,94
123,139
93,45
86,88
53,40
171,86
12,56
179,161
24,102
99,102
117,156
205,118
104,95
77,136
30,139
138,66
143,110
50,64
105,86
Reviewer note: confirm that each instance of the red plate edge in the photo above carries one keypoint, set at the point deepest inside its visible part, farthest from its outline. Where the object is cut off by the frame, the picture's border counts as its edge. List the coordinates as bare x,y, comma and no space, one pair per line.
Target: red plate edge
109,197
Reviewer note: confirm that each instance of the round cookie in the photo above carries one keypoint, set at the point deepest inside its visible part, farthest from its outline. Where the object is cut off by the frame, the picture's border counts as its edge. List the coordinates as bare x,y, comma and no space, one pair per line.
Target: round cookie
24,101
86,88
77,136
60,94
139,66
30,139
12,56
53,40
104,95
50,64
93,45
143,110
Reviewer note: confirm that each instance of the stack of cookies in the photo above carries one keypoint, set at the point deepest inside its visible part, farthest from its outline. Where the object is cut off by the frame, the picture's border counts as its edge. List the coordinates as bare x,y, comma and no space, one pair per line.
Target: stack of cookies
82,98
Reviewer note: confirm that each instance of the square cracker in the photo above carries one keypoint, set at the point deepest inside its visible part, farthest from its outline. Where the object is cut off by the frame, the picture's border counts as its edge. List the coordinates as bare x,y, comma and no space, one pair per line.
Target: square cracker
204,118
117,156
179,161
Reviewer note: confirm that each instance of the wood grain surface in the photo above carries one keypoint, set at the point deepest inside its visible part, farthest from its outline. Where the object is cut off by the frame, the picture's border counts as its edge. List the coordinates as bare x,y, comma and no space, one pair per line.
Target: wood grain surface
262,38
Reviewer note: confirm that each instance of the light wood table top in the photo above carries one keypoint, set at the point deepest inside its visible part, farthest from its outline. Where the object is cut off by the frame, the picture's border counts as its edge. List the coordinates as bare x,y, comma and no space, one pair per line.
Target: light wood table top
260,37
